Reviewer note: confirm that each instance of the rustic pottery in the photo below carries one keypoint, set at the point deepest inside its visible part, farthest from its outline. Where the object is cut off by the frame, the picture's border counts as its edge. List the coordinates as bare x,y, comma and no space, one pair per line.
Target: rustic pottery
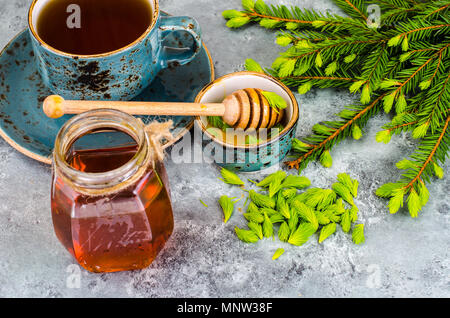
117,75
24,125
252,157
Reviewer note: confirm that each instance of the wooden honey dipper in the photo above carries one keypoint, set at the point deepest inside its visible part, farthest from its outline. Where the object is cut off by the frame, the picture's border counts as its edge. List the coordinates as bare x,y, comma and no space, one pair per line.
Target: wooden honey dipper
244,109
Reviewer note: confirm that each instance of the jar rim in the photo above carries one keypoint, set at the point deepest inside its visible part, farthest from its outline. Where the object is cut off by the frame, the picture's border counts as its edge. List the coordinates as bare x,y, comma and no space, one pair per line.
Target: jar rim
87,123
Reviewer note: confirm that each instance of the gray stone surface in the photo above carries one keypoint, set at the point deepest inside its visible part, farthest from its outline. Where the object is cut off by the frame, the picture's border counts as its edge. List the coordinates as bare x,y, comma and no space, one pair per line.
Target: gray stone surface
402,257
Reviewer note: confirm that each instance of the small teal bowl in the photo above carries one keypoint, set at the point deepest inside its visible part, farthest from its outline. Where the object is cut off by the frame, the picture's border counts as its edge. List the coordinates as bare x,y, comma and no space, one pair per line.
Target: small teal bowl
252,157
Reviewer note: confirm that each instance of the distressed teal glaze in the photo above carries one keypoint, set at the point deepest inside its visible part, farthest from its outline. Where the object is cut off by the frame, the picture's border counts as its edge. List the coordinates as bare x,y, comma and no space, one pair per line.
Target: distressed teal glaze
248,158
256,158
24,125
120,75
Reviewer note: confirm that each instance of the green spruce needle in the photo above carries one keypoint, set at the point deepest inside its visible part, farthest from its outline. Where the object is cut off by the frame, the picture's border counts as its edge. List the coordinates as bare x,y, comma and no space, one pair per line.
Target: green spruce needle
289,193
293,220
358,234
396,201
414,203
283,206
356,132
331,214
339,207
275,100
277,218
438,171
387,190
262,200
257,228
254,217
267,226
278,253
354,214
246,236
343,192
352,185
302,234
253,66
230,177
328,197
327,231
326,160
322,218
217,122
227,207
248,4
284,232
276,176
237,22
229,14
274,187
252,208
296,182
269,211
306,213
346,221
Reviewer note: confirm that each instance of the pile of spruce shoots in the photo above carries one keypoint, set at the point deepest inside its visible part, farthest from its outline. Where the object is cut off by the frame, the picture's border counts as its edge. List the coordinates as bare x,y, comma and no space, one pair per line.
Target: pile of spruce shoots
277,208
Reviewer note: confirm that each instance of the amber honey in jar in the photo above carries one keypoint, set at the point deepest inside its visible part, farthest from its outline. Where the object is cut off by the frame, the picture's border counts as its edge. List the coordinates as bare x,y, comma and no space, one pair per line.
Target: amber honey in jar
110,199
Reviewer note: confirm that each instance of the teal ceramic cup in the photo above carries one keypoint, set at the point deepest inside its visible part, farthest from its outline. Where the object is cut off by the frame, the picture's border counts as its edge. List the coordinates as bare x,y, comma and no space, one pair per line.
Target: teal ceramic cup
118,75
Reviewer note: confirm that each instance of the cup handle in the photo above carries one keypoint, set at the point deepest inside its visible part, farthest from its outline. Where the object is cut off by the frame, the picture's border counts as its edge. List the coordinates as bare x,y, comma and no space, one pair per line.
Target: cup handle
176,54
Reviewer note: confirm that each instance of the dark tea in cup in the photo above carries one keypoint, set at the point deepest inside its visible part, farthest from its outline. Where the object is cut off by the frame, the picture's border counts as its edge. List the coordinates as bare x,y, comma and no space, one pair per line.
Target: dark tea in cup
90,27
107,49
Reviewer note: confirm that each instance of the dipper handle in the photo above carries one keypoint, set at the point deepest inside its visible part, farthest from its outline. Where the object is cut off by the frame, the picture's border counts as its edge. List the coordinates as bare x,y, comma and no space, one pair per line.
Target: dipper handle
244,109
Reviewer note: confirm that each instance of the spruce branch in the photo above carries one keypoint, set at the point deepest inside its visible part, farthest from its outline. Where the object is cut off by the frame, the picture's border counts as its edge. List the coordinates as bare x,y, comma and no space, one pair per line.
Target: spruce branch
438,146
390,4
401,66
272,16
333,132
419,169
317,81
393,13
435,105
400,123
434,9
354,8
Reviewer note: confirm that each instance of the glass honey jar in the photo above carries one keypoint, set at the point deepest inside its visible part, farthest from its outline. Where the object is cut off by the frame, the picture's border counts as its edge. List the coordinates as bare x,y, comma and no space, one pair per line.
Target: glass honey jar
110,199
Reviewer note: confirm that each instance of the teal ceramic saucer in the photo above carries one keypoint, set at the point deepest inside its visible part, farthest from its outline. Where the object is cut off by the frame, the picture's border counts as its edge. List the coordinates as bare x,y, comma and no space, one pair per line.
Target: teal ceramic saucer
26,128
